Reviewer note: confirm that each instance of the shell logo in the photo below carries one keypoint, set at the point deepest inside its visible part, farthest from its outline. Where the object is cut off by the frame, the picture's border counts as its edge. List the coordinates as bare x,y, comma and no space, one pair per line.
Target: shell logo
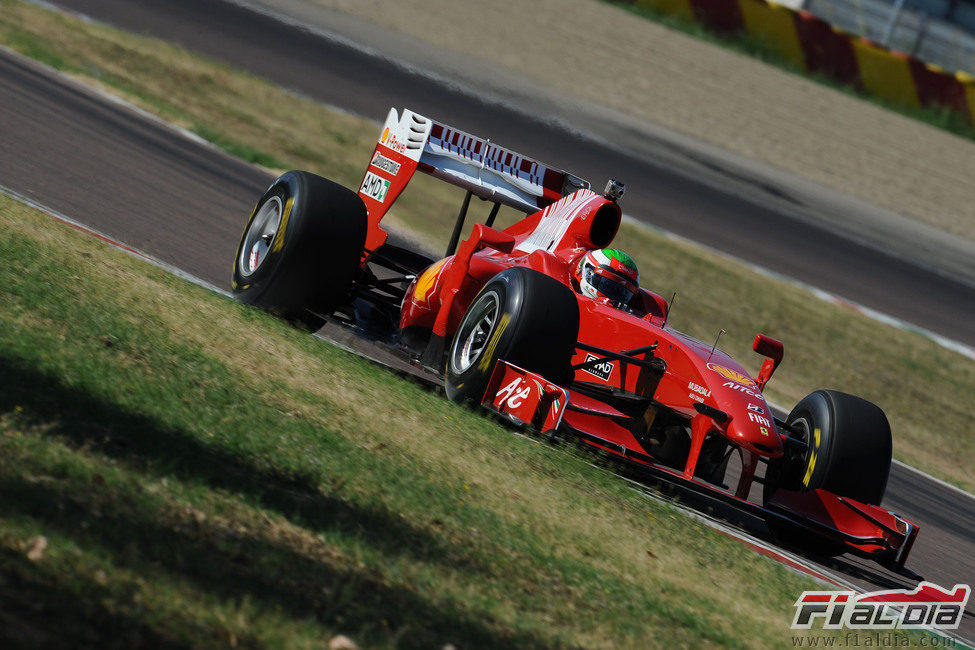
732,375
426,281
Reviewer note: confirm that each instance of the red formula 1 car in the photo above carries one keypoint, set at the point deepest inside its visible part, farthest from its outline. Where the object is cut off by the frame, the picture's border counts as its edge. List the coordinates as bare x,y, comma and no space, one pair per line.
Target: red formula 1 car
544,324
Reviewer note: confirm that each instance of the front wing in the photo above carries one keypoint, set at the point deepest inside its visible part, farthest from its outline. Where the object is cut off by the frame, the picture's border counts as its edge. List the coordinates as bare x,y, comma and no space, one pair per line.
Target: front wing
526,398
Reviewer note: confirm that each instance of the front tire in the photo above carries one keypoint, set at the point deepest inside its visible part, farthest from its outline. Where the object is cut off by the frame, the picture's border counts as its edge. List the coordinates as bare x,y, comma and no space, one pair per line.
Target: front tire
522,316
848,453
849,447
300,250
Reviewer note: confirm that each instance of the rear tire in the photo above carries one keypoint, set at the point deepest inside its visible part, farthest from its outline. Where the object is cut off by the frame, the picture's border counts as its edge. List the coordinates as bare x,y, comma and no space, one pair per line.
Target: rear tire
522,316
301,247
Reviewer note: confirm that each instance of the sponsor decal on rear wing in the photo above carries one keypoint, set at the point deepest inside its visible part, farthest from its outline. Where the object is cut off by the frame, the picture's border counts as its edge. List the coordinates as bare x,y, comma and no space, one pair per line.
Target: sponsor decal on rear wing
493,172
410,141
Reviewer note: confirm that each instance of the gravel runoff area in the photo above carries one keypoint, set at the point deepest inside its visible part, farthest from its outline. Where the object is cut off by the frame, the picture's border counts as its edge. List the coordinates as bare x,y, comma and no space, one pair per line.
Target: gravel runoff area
636,72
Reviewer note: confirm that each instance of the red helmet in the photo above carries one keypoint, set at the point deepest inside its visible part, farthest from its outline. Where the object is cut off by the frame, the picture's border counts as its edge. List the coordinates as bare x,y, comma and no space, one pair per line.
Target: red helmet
608,275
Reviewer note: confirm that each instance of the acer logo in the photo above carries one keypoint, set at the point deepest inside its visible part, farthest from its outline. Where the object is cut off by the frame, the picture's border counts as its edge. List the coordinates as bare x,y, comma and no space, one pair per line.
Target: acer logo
514,393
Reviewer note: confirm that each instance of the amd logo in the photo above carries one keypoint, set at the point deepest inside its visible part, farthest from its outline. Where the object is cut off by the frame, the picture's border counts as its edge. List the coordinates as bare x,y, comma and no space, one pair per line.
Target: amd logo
602,370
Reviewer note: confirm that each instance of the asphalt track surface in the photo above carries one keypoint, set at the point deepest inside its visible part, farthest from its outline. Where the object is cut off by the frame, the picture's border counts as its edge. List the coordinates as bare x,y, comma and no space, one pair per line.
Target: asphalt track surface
141,182
368,85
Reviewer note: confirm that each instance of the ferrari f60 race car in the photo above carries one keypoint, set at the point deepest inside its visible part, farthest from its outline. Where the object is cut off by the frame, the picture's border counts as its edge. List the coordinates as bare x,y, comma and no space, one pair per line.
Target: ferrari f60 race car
502,318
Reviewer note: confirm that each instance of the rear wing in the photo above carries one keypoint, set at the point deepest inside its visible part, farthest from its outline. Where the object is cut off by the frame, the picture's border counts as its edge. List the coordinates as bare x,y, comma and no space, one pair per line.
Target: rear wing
412,142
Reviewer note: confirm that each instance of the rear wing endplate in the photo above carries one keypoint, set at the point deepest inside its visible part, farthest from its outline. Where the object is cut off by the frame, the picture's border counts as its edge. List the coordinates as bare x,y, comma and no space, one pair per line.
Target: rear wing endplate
409,142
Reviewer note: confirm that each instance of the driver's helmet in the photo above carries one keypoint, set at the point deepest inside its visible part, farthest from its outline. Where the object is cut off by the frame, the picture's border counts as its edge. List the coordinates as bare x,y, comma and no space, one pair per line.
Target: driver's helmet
608,275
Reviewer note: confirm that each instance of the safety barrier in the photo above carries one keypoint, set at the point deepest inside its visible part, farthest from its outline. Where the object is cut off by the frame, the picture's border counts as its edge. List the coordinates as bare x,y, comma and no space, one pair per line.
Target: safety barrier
815,46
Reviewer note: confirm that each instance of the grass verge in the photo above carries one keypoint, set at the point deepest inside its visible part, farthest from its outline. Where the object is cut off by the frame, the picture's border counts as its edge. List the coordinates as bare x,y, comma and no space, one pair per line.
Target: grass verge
177,470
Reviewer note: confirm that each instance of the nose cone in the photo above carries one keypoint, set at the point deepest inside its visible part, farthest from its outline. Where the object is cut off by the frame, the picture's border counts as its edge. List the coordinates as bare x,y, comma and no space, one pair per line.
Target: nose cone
755,435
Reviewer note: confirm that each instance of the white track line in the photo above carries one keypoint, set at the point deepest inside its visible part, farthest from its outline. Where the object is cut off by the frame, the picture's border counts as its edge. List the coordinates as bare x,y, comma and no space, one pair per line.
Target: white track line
91,232
934,479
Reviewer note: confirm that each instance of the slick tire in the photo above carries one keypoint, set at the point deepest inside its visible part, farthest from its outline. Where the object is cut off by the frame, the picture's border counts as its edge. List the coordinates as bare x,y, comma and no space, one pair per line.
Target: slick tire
848,454
522,316
299,254
849,446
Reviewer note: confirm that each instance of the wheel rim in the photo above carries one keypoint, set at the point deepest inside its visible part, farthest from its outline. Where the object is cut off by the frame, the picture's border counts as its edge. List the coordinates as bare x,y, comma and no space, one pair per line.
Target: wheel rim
803,425
475,332
260,236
